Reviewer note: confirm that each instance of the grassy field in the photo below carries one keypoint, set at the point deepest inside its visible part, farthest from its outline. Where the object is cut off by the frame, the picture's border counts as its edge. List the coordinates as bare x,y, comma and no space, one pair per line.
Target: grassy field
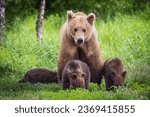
124,36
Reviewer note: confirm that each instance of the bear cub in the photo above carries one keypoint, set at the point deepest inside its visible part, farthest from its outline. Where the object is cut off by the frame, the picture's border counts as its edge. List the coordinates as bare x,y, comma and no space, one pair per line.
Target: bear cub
41,75
76,74
114,73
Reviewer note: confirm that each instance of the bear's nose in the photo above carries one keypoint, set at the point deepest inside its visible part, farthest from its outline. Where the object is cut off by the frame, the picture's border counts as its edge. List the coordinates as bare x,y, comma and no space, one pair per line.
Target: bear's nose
80,41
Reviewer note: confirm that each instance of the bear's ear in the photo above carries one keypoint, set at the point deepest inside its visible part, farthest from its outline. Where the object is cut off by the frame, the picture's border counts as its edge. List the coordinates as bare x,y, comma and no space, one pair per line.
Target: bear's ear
91,18
70,15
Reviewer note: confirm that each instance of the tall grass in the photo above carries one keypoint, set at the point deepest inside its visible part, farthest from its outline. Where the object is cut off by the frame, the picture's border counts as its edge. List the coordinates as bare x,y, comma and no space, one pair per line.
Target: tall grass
124,36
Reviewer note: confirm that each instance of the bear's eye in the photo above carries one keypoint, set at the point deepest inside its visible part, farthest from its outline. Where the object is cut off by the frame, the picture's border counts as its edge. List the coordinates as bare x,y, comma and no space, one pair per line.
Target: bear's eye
74,76
75,29
84,30
83,75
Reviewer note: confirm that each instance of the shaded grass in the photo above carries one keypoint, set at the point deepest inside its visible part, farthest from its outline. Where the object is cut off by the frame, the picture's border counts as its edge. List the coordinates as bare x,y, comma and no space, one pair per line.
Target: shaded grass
125,36
54,91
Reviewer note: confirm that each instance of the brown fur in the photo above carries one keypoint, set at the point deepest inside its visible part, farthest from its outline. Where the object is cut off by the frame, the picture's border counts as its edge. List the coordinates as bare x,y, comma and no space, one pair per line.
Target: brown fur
113,71
76,74
41,75
78,40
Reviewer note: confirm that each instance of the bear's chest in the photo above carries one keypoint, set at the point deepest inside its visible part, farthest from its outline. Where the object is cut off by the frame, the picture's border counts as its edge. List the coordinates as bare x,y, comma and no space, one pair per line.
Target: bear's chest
82,55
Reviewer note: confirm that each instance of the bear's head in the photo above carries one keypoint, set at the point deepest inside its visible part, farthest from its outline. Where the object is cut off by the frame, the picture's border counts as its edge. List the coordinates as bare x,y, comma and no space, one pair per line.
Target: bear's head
80,26
115,79
77,80
118,78
73,75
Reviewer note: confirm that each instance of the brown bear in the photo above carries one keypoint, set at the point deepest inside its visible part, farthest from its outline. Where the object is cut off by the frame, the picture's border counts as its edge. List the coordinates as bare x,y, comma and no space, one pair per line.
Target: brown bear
114,73
76,74
41,75
78,40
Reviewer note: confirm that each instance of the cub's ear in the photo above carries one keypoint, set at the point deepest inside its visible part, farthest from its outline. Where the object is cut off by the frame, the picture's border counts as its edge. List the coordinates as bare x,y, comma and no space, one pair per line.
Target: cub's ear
91,18
124,74
70,15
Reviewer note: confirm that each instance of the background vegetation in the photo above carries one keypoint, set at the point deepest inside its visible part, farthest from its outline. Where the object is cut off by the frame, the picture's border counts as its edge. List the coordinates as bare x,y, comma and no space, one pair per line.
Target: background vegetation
124,31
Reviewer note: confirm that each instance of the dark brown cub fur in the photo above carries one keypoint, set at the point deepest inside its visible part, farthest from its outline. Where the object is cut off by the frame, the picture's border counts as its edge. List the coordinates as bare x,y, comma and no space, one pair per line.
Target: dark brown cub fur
41,75
114,73
76,74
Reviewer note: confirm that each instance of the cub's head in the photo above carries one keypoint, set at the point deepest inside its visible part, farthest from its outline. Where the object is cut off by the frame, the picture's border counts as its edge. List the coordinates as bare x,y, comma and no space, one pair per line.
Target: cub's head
77,80
80,26
116,79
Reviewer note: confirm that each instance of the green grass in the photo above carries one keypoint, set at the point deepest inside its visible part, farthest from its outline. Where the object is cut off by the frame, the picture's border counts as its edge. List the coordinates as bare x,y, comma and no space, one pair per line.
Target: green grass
124,36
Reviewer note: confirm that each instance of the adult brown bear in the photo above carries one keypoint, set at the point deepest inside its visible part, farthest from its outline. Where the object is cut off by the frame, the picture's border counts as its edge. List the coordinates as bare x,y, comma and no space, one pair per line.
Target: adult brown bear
78,40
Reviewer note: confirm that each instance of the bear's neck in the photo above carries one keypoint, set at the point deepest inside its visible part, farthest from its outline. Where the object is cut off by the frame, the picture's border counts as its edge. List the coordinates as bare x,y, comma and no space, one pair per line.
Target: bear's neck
81,54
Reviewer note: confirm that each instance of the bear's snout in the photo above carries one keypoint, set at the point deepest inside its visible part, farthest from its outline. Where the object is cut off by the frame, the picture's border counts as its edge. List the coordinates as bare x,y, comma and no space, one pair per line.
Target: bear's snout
79,41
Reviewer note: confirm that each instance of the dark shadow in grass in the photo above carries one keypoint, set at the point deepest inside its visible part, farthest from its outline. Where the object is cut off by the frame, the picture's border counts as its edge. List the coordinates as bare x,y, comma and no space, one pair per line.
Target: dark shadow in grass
5,70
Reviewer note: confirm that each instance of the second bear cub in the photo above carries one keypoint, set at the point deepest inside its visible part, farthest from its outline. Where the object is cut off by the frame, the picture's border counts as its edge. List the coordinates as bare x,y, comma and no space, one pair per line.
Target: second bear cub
41,75
113,71
76,74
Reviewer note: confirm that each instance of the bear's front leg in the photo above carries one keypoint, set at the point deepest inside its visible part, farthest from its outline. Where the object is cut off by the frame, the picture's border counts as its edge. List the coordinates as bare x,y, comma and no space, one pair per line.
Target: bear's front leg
65,55
94,60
